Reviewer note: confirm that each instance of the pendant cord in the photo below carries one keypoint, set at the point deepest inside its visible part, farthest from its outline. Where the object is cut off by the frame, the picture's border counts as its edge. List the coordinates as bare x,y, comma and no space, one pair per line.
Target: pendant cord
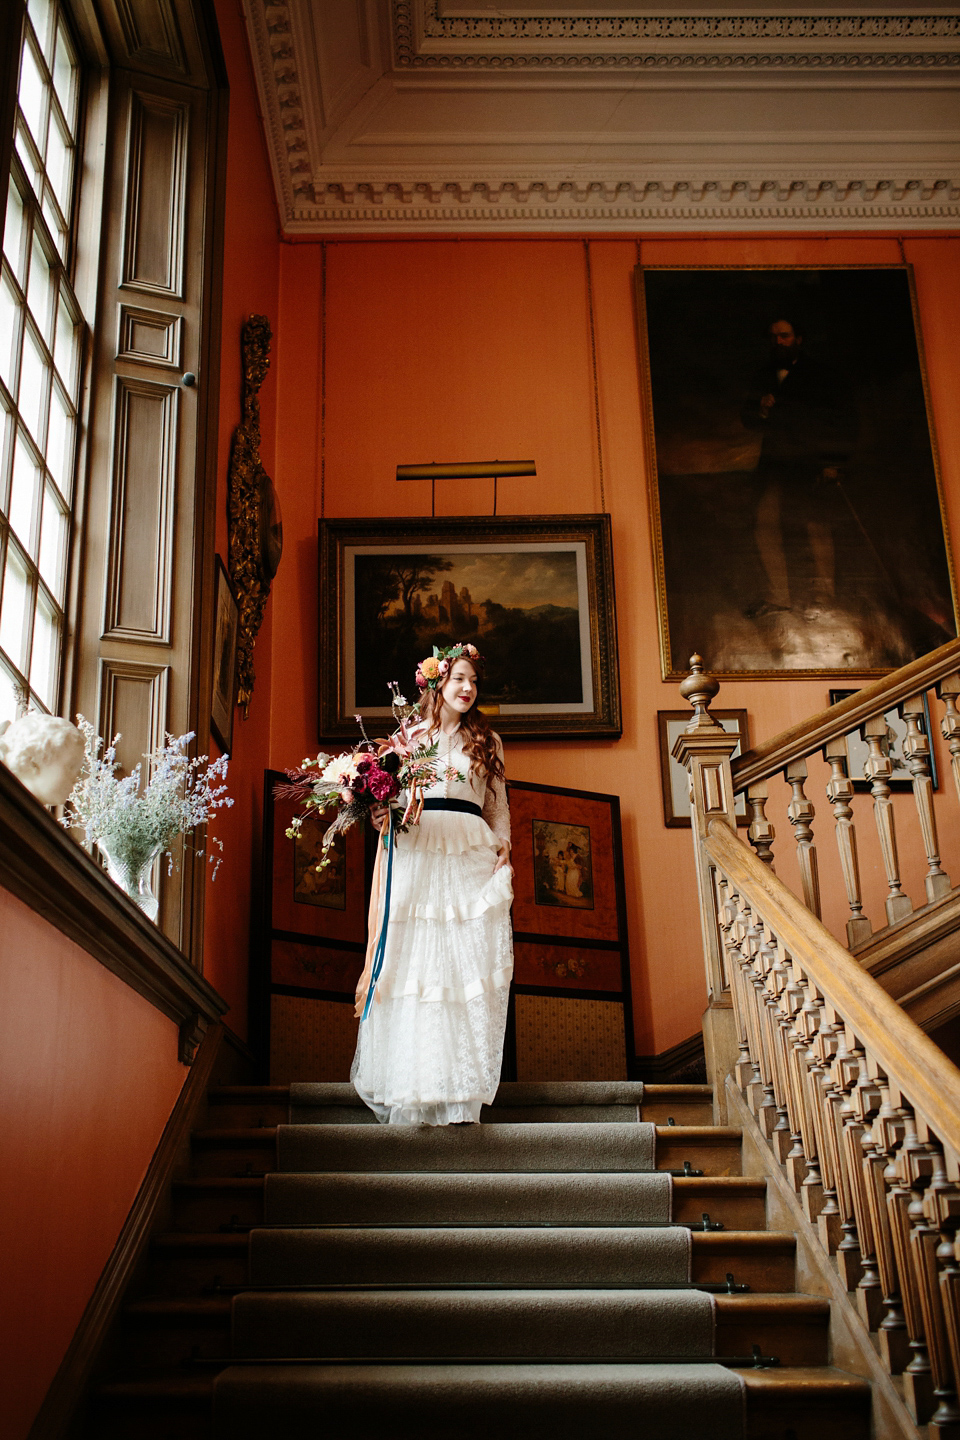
596,383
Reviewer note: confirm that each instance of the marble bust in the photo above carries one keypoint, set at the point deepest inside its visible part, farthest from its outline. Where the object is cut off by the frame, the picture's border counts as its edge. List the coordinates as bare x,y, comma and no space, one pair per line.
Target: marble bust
45,753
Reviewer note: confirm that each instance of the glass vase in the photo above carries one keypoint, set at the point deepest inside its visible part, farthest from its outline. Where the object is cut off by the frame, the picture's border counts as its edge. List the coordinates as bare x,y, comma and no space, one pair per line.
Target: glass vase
134,875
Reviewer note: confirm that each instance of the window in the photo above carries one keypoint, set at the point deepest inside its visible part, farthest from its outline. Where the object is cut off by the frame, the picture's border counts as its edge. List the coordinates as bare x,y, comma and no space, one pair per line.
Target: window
41,329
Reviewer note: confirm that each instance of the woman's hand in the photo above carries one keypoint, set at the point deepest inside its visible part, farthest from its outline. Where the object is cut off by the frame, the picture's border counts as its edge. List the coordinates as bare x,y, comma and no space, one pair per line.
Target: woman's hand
379,813
503,857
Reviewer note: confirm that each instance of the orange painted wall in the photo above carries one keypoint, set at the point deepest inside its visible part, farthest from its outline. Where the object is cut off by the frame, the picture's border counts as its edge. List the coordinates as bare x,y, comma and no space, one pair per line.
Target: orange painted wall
466,349
89,1075
251,272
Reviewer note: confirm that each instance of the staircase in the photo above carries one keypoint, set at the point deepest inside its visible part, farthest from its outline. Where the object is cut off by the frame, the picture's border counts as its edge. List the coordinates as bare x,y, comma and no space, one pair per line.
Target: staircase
588,1262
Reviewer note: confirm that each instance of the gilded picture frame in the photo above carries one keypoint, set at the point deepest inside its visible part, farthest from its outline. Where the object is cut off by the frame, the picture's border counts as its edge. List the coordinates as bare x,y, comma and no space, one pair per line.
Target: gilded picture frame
534,593
809,539
223,697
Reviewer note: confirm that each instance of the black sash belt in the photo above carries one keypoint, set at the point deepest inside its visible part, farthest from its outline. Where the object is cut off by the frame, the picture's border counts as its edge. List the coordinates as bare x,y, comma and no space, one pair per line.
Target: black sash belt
466,807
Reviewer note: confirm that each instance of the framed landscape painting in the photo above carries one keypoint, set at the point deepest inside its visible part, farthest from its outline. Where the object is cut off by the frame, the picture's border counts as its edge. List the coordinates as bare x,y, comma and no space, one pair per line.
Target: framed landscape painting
794,492
533,593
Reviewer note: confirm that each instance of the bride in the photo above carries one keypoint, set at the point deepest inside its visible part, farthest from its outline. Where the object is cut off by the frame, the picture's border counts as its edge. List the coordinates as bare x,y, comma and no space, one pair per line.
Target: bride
430,1050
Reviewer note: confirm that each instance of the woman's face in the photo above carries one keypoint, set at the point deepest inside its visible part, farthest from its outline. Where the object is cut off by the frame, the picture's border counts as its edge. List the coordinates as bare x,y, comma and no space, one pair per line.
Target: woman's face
459,690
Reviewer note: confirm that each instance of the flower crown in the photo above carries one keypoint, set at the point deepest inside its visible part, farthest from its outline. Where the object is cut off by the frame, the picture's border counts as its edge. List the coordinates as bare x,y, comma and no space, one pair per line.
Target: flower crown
433,670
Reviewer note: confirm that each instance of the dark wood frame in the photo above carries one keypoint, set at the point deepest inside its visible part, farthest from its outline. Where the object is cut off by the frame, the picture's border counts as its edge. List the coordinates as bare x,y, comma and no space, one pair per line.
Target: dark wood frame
262,987
896,782
671,819
674,667
224,599
621,944
337,719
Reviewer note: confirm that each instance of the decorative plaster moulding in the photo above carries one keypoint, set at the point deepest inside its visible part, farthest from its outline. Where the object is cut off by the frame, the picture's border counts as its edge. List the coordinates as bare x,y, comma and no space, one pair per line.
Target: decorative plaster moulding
331,186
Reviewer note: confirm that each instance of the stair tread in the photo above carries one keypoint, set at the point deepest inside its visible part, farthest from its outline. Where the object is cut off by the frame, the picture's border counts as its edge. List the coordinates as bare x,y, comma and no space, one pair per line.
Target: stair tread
195,1306
201,1240
801,1380
239,1183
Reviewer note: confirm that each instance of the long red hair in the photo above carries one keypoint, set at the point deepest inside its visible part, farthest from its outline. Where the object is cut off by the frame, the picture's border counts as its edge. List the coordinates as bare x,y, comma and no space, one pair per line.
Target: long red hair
479,741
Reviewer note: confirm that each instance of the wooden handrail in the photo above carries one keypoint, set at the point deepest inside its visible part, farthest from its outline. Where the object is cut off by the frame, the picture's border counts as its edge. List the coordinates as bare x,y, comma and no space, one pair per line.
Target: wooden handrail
910,1059
811,735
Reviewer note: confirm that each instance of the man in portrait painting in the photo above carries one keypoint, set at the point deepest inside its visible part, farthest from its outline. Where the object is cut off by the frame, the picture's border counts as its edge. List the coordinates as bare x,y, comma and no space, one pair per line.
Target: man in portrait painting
808,427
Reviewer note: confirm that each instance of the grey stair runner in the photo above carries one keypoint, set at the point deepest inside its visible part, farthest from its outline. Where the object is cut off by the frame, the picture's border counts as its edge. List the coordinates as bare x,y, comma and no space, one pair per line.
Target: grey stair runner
516,1102
474,1255
467,1258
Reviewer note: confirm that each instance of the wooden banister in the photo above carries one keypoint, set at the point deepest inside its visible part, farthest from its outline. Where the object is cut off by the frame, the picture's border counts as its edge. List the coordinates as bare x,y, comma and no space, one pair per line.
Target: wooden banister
811,735
918,1066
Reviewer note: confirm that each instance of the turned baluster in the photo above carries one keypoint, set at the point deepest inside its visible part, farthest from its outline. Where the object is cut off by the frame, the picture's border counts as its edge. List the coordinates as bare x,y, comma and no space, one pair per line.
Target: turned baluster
749,944
865,1101
760,832
842,1071
800,812
948,690
840,793
763,964
938,1200
912,1162
948,1260
730,959
916,749
808,1023
886,1134
791,1003
823,1047
779,981
879,768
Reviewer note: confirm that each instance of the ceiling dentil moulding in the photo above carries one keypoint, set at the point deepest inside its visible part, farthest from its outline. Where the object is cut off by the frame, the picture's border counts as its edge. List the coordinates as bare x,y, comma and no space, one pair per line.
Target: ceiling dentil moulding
419,116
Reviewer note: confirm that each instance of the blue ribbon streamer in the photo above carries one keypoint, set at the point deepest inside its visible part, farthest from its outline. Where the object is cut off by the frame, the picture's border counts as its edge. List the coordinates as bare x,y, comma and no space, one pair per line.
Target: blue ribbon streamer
381,946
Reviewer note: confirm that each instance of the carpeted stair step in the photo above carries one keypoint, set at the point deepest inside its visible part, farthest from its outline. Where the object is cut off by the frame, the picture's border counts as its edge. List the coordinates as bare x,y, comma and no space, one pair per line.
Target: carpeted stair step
516,1102
461,1402
474,1324
465,1149
575,1255
507,1198
580,1256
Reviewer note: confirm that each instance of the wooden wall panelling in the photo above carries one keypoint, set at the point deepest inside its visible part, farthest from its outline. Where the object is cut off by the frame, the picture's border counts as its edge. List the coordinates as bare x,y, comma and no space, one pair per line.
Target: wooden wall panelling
148,467
140,565
158,37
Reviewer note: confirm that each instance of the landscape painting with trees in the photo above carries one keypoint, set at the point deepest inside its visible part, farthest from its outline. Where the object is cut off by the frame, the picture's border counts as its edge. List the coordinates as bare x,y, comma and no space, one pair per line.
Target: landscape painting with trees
533,593
519,608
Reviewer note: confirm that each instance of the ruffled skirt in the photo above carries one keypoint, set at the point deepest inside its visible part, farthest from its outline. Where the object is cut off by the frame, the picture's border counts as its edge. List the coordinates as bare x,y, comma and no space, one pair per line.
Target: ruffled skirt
430,1050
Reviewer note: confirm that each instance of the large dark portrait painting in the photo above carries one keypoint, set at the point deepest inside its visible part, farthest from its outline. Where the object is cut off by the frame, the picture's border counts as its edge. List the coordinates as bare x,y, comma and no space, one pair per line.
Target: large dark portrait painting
535,595
796,503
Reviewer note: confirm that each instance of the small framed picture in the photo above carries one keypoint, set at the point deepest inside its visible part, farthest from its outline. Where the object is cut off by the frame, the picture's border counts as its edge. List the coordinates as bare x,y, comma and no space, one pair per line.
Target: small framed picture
674,781
858,750
226,620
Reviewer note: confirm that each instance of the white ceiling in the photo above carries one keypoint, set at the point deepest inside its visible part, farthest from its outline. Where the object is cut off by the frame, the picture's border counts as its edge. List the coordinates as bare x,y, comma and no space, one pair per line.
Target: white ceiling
468,116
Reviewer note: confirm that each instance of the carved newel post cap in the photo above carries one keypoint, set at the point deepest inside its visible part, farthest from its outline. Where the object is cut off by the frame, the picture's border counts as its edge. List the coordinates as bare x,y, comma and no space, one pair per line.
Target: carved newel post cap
699,689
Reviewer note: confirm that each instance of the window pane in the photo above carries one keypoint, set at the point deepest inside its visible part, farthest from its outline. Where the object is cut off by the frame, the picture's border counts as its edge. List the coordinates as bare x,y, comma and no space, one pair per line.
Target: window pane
40,288
33,386
67,345
9,700
59,164
23,495
53,542
9,330
13,608
41,13
60,442
6,456
58,230
30,159
32,94
65,77
43,661
13,231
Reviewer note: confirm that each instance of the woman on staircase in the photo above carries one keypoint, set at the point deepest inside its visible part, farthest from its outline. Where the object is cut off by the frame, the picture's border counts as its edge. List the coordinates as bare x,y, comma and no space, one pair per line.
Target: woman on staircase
430,1049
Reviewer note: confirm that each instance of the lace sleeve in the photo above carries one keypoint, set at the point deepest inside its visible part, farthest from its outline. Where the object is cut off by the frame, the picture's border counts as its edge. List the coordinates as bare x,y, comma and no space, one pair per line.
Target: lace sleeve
496,811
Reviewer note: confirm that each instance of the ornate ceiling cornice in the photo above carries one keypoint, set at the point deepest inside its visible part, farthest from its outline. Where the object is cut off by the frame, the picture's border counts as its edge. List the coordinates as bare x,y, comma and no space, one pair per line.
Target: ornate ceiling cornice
423,39
349,187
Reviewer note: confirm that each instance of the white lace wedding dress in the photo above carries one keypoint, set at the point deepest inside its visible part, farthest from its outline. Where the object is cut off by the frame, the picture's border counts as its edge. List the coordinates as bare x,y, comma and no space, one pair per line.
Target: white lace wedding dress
430,1049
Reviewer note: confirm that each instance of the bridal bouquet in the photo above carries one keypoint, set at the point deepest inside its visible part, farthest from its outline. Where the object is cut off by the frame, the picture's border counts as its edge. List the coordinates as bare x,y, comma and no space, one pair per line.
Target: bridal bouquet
374,772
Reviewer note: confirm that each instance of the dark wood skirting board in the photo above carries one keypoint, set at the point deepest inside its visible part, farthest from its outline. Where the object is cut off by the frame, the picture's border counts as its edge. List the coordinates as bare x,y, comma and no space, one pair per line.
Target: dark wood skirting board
49,872
65,1396
682,1063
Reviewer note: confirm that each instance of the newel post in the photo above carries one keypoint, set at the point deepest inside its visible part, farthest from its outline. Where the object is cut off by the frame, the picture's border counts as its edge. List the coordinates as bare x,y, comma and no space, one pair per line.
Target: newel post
704,749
